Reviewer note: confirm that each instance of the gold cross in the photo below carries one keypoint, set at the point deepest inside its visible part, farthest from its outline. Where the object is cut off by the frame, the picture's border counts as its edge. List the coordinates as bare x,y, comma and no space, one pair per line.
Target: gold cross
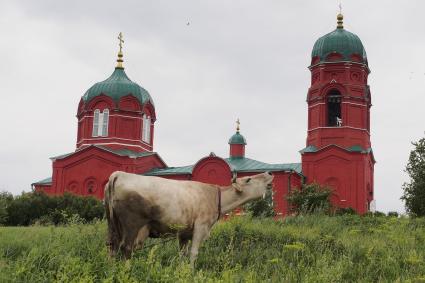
120,38
237,125
340,8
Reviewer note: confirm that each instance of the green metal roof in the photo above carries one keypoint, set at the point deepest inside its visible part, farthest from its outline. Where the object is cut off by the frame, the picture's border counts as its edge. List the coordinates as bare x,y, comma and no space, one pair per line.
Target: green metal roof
354,148
126,152
171,171
358,148
341,41
310,148
117,86
47,181
237,164
243,164
120,152
237,139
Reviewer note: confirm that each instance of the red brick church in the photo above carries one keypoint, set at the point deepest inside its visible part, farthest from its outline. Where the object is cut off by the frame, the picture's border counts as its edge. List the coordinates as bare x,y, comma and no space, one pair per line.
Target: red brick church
116,127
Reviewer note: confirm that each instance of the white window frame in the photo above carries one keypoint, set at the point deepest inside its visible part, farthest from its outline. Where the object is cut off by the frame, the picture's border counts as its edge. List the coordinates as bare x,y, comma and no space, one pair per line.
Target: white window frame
100,123
105,123
146,128
96,123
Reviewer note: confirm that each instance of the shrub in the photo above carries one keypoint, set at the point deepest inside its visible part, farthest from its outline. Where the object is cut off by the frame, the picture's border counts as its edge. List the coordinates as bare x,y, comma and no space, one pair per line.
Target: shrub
262,207
37,207
345,211
379,214
374,214
393,214
311,198
5,199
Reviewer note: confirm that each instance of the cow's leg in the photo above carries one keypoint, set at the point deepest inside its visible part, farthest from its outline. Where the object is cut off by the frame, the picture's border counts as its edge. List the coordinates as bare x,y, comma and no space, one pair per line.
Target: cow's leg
183,244
128,243
200,233
142,235
130,236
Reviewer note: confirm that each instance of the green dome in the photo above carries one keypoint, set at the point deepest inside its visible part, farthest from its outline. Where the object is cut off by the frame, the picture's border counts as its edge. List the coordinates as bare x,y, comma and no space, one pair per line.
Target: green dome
340,41
117,86
237,139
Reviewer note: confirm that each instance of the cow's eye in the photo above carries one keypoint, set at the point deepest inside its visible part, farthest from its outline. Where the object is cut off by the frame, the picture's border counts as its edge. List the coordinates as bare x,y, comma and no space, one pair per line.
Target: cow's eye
247,180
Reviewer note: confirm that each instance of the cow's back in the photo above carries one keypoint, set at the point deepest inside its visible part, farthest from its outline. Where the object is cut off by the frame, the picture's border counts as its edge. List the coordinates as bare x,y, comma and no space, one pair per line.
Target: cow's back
167,201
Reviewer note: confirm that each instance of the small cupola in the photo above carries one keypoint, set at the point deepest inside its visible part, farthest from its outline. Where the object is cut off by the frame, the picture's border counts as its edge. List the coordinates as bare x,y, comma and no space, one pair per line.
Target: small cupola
237,143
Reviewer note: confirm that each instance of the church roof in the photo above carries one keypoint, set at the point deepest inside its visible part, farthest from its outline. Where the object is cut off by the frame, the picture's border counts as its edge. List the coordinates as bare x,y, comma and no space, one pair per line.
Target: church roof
237,164
339,41
117,86
237,138
354,148
47,181
120,152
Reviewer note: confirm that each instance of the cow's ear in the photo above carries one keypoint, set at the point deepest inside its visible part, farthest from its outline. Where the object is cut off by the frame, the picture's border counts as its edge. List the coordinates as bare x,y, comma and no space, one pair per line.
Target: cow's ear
234,178
237,187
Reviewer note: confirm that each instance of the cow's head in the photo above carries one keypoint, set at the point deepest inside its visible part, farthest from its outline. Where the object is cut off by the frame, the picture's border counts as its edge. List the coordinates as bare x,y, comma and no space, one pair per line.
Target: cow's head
253,187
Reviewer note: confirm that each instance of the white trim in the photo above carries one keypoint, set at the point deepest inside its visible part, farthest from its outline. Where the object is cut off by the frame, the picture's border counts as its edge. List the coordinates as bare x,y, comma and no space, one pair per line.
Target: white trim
117,143
342,102
112,138
110,115
317,104
355,104
343,127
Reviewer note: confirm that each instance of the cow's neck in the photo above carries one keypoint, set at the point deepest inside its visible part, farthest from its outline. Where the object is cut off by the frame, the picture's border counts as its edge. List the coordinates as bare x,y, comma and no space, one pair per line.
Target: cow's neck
230,199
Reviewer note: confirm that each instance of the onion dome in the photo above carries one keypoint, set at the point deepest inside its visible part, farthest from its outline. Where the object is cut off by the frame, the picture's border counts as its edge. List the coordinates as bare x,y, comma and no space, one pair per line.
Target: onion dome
118,84
237,138
341,41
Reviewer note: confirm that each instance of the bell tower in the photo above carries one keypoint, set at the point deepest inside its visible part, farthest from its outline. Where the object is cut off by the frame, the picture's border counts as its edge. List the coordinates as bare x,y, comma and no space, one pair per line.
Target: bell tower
338,150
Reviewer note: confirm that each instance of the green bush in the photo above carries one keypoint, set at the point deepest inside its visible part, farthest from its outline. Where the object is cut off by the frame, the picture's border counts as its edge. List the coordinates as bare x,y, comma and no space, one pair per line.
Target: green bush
262,207
310,198
5,199
345,211
393,214
37,207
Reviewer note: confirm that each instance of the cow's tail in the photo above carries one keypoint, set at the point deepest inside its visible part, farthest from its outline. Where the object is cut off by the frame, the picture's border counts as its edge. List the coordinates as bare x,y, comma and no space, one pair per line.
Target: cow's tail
114,235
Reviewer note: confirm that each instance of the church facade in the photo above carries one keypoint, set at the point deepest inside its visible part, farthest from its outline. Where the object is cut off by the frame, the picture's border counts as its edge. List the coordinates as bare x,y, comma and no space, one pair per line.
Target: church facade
116,126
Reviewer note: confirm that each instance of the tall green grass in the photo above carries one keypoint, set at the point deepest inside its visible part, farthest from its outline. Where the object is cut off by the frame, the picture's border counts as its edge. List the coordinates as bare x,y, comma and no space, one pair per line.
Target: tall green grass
301,249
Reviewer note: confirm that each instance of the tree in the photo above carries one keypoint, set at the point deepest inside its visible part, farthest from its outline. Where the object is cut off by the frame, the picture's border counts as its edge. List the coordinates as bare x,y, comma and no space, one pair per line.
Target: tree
32,207
311,198
414,191
5,200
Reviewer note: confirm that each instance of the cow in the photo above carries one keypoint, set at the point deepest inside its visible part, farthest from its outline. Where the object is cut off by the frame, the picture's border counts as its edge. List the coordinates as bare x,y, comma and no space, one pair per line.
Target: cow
138,207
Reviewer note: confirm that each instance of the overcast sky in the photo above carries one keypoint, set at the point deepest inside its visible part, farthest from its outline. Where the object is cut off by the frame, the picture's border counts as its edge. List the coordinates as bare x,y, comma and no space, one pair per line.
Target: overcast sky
245,59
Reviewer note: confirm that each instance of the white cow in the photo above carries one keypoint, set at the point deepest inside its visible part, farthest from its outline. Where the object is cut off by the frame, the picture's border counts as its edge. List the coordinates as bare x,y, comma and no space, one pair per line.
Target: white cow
138,207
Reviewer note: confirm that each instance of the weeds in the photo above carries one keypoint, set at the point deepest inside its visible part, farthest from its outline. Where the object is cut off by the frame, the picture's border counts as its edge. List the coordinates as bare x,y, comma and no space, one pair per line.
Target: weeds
312,248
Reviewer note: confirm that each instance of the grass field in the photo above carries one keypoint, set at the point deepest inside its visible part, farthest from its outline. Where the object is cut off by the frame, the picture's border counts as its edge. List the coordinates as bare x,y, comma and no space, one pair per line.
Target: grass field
302,249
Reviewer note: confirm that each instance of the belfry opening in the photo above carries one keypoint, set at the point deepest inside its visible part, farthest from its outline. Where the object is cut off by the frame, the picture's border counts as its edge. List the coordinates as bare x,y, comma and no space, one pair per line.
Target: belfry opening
333,104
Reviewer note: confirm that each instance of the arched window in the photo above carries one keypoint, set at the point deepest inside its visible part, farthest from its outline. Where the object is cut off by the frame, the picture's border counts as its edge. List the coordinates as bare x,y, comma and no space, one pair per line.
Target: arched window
100,123
105,123
146,128
96,123
333,102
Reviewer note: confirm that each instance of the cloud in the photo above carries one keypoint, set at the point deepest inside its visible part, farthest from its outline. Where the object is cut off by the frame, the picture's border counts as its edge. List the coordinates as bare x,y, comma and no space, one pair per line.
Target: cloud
245,59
